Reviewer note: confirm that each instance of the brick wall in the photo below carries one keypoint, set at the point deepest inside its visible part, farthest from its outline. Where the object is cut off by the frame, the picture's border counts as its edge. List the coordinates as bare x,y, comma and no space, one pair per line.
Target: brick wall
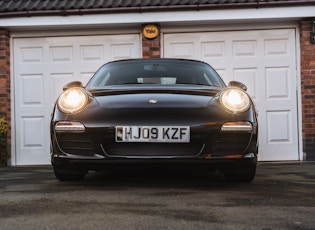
5,77
151,48
308,89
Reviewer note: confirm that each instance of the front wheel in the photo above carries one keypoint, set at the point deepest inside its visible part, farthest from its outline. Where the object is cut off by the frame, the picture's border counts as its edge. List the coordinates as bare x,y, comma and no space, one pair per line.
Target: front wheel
64,175
244,176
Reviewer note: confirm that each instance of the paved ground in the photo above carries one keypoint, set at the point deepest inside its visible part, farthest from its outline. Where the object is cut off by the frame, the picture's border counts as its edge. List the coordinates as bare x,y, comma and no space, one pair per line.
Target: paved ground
282,196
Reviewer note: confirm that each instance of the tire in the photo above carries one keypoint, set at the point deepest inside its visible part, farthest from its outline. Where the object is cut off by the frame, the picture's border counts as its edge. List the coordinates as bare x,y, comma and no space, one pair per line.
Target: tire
63,175
241,176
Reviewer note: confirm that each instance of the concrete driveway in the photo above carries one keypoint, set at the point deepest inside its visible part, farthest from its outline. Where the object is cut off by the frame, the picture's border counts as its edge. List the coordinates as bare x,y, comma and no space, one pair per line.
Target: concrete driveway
282,196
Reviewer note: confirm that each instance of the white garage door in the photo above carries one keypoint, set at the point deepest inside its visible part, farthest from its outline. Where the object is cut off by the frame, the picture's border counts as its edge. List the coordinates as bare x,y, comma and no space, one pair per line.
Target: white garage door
41,67
265,61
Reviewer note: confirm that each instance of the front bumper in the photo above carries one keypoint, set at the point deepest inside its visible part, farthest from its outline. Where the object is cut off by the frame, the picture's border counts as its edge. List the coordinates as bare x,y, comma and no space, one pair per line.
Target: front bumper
96,149
205,141
98,163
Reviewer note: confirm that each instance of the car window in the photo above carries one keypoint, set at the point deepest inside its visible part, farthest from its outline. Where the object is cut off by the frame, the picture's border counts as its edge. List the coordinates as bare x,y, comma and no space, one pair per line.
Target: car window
156,72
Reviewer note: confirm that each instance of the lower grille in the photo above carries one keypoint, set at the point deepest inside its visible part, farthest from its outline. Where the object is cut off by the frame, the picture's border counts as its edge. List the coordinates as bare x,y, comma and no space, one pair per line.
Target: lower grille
76,144
152,149
219,145
231,143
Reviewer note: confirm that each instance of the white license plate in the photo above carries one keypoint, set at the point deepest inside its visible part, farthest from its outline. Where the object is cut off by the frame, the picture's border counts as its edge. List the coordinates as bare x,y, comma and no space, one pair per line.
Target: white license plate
168,134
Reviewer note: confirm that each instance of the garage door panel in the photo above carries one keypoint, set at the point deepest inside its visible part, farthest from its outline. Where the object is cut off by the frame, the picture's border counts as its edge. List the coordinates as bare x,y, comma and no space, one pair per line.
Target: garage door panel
61,54
32,140
277,47
33,132
213,49
182,50
278,83
42,66
32,90
245,48
91,53
280,119
31,55
121,51
265,61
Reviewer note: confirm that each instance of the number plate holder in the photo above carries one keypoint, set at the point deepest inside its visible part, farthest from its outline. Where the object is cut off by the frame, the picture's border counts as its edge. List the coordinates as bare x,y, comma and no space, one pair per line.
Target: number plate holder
164,134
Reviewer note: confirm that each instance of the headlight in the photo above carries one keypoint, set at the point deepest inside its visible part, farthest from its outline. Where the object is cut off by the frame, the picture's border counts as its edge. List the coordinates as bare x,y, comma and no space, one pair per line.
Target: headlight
72,100
235,100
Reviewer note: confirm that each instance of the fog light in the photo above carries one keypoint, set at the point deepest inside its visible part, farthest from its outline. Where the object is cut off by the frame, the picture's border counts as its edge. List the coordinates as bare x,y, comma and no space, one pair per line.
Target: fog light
236,126
69,126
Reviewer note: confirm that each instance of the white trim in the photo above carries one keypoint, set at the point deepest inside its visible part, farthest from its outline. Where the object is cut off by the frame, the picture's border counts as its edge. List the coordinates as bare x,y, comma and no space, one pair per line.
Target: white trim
166,28
73,32
224,15
299,93
190,28
12,105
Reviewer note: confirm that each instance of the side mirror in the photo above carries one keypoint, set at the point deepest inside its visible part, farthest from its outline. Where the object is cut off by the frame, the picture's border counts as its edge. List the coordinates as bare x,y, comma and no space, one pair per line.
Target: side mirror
238,85
73,84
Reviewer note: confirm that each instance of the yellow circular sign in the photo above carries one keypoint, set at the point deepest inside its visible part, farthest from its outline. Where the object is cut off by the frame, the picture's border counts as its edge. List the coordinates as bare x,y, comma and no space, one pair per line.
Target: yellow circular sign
150,31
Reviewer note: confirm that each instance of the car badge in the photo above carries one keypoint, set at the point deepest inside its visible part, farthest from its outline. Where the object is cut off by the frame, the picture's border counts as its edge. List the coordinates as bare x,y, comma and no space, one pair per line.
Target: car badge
153,101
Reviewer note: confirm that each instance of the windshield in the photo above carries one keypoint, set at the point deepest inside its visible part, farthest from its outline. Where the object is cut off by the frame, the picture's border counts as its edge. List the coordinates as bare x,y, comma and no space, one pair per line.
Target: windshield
156,72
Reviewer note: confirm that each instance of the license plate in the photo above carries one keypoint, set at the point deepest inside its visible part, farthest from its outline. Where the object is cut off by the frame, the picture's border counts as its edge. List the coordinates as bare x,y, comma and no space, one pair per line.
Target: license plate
167,134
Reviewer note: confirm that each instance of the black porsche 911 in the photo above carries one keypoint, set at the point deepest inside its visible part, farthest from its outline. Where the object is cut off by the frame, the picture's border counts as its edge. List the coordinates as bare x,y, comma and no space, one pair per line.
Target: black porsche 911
154,111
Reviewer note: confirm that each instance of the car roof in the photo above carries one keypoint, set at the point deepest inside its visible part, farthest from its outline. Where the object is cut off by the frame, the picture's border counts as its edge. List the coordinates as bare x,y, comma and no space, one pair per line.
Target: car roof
158,59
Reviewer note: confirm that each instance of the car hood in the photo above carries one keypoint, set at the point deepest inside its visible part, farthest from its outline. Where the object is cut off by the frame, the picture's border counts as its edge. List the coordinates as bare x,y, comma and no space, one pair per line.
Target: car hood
153,107
156,99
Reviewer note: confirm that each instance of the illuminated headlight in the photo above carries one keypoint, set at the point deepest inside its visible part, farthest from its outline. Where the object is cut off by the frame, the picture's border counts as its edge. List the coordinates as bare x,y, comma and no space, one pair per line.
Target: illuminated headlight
235,100
73,100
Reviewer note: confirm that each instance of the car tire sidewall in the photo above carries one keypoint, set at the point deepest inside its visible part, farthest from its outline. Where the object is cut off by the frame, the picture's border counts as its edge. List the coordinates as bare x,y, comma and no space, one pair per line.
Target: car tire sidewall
244,176
64,175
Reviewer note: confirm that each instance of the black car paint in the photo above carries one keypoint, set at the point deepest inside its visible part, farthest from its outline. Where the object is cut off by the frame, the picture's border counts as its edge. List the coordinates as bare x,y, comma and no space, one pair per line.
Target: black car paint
194,106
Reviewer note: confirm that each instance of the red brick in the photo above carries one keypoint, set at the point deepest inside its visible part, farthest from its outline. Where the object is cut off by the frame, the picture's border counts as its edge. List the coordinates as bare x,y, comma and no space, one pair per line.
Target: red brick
307,82
307,86
151,48
5,78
